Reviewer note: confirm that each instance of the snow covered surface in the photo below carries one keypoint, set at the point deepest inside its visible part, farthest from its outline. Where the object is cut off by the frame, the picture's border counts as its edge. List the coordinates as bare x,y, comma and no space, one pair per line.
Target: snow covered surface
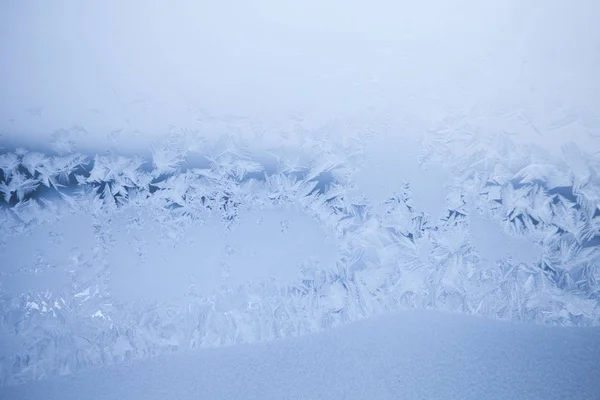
406,355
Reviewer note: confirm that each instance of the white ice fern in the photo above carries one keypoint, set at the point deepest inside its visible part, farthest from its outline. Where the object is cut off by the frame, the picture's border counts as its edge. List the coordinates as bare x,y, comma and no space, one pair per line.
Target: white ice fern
389,257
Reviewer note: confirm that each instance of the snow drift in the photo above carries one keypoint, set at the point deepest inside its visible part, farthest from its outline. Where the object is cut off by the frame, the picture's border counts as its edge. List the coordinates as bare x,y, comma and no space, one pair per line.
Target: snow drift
407,355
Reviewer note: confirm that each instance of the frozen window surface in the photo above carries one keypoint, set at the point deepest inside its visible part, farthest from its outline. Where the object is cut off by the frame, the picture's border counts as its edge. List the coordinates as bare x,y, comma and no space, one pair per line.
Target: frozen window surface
177,177
262,245
111,257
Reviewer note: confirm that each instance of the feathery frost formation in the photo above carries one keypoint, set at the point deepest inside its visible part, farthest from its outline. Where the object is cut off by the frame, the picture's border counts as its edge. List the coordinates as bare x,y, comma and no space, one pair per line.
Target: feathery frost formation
541,214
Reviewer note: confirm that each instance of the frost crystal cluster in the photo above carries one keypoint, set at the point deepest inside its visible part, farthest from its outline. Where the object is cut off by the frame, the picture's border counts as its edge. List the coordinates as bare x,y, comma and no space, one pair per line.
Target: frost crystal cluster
520,240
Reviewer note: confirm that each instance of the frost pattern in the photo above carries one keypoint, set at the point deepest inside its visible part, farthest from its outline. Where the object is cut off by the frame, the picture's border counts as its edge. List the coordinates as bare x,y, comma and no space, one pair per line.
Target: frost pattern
390,255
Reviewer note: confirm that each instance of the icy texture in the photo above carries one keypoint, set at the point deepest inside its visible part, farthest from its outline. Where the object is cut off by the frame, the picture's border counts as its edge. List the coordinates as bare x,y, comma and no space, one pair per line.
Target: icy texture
63,297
